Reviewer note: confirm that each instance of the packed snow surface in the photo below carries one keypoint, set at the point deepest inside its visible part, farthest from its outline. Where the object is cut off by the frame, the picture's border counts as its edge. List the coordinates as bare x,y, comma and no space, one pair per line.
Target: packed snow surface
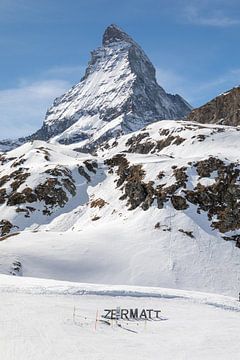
37,322
118,254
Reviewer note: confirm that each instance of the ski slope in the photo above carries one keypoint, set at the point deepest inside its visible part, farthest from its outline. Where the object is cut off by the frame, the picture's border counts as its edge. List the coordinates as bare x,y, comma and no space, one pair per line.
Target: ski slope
92,255
36,322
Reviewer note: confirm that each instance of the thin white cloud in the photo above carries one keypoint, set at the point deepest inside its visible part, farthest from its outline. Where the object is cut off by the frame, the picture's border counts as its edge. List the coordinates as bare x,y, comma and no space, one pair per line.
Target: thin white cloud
23,108
230,78
206,16
168,78
197,93
62,71
174,83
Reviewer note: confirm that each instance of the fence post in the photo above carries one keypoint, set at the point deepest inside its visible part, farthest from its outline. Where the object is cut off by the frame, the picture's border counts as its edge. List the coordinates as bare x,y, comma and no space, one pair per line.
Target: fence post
95,328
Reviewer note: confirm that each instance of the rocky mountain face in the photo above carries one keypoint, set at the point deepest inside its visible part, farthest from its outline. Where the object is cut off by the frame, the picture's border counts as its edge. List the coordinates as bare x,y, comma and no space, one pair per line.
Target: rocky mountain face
118,94
224,109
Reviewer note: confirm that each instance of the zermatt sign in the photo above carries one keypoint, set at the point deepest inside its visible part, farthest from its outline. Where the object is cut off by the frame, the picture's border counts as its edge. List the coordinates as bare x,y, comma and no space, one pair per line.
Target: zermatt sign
131,314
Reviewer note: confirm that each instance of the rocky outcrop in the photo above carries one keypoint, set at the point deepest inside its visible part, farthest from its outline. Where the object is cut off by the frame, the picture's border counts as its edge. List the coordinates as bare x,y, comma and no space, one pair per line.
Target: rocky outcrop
5,227
137,192
224,110
136,144
52,192
220,200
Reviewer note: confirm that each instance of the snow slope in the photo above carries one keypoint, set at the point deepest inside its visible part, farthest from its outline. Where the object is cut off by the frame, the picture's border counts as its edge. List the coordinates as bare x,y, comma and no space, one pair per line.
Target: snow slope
113,227
37,323
119,253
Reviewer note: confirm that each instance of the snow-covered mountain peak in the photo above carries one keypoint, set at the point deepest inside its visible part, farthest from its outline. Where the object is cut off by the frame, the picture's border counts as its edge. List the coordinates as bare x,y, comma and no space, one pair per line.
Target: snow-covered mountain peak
114,34
118,94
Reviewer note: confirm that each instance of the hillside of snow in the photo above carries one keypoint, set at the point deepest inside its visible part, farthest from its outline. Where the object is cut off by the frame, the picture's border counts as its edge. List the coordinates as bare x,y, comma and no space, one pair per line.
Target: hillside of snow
45,319
159,207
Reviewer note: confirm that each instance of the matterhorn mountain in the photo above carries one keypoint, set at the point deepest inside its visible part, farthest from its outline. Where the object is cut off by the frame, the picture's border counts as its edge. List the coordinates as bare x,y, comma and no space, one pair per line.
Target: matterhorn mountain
117,95
157,201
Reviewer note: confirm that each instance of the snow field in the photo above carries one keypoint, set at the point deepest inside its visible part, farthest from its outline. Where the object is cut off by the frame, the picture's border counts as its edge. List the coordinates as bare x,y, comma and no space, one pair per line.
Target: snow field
40,326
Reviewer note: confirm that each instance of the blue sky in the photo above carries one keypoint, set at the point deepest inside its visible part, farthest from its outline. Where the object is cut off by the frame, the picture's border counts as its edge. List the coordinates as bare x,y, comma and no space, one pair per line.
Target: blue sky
45,47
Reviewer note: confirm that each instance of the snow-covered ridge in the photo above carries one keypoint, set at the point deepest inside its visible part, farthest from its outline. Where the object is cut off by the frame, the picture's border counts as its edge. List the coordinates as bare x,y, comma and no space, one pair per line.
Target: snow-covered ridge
151,202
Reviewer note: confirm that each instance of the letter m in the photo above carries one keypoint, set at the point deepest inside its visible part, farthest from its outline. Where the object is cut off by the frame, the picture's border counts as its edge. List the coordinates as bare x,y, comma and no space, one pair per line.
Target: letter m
133,314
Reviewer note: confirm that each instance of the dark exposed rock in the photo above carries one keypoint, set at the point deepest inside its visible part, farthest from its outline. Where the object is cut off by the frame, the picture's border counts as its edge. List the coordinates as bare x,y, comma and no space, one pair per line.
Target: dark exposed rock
69,185
4,179
201,137
117,160
136,194
19,179
51,193
161,175
161,144
91,165
220,199
122,163
224,109
3,195
18,162
150,195
167,229
179,202
30,196
16,198
3,159
114,34
139,193
21,210
16,268
181,176
5,227
164,132
135,145
141,144
188,233
98,203
59,171
45,152
235,238
83,173
206,167
95,218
